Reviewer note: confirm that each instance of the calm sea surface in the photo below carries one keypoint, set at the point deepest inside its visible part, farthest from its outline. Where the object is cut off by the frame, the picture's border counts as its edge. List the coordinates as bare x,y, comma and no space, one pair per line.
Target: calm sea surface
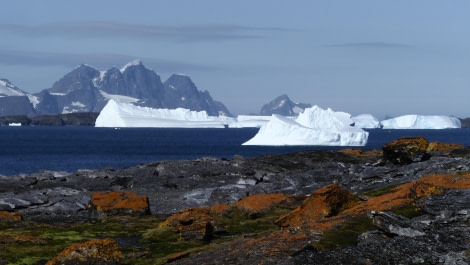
30,149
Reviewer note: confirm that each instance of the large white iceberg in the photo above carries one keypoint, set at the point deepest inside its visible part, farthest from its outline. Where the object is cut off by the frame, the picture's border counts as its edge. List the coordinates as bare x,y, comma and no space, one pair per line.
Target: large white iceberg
116,114
421,122
245,121
366,121
315,126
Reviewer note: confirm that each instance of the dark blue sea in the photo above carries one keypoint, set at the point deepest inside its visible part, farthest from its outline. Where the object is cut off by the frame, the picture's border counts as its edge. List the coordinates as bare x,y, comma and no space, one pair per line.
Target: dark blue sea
31,149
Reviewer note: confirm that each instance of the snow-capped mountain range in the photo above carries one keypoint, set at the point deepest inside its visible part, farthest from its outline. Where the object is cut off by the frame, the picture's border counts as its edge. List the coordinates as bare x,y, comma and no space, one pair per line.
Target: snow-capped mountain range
87,89
14,101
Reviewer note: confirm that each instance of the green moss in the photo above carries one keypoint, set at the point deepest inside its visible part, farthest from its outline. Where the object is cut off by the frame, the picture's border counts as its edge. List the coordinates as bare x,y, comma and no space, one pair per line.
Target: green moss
381,191
164,233
159,242
237,222
58,237
408,210
346,234
463,172
28,253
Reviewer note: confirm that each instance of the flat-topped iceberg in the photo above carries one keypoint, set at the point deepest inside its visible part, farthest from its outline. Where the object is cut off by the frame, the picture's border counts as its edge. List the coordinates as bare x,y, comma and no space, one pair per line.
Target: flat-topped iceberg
421,122
366,121
251,121
315,126
116,114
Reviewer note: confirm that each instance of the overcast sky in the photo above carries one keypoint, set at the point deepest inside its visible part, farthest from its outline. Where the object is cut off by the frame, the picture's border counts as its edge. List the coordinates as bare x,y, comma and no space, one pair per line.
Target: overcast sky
386,58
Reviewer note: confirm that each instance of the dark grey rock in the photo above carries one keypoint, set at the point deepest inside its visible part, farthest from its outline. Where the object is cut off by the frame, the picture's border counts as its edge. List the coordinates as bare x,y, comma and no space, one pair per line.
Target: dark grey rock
396,225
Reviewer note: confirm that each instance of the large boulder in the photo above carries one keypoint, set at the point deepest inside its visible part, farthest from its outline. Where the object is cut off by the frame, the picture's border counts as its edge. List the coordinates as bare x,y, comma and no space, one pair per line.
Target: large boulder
406,150
393,224
259,204
321,204
193,223
97,251
114,202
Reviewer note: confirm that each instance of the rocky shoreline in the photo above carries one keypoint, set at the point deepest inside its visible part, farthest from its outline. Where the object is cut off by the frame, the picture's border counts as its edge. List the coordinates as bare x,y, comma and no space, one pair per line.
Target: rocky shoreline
423,220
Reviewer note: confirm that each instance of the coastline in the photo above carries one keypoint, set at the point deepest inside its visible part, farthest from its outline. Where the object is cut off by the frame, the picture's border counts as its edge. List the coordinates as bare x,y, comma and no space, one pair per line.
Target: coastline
174,187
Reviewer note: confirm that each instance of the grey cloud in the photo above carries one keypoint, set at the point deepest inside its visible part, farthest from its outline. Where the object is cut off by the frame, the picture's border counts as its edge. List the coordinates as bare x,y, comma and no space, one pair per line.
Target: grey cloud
93,29
100,60
370,45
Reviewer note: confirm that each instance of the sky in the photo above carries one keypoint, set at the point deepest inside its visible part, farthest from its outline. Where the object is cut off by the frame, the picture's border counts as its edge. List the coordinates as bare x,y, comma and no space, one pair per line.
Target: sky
385,58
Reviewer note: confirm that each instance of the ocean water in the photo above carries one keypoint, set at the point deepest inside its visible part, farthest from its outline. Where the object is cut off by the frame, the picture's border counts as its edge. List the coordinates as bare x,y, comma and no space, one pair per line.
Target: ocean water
31,149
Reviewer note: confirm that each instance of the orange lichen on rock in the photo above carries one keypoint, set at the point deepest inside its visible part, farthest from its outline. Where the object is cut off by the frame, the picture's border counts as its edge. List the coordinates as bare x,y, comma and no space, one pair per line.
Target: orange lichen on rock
411,144
322,203
317,213
406,150
177,256
221,209
192,223
97,251
119,202
275,243
7,216
437,146
260,203
9,239
361,153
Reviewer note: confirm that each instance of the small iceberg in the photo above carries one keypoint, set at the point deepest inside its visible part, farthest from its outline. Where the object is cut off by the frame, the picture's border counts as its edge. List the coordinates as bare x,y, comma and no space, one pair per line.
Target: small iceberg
366,121
421,122
315,126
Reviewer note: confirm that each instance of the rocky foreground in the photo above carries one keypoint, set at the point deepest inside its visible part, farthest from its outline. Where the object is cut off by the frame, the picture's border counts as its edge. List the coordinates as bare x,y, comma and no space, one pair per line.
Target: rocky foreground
406,204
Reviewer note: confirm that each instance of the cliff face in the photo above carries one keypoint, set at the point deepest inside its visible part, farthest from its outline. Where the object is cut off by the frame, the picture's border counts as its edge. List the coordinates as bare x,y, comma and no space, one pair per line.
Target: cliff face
312,207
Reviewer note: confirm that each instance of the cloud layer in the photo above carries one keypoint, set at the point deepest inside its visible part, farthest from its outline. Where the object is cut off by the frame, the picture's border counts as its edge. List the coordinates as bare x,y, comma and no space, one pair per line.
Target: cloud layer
100,29
100,60
376,44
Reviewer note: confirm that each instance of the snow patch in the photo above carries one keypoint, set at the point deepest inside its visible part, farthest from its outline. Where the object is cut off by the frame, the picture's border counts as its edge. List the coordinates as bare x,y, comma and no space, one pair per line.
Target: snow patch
7,89
33,99
78,104
97,80
118,98
297,110
282,103
314,126
132,63
58,94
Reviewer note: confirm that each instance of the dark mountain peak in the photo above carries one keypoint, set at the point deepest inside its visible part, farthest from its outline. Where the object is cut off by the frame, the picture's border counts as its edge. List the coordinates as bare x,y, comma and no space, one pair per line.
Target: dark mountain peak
282,99
79,78
282,105
85,69
180,91
181,83
112,72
